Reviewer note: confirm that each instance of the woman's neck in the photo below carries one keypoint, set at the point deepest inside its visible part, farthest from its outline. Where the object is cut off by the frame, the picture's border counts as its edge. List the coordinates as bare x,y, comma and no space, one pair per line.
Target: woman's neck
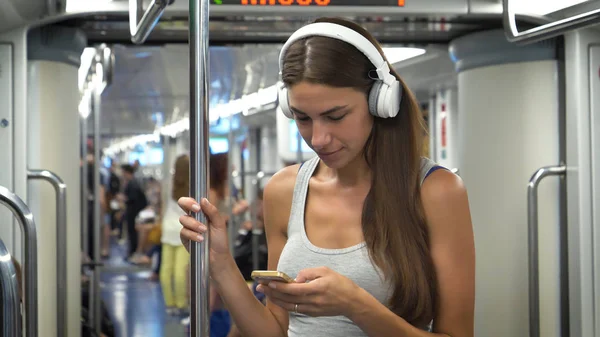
355,173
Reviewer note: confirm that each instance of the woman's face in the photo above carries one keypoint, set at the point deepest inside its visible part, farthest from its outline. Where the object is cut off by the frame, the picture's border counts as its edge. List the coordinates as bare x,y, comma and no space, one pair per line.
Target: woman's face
334,122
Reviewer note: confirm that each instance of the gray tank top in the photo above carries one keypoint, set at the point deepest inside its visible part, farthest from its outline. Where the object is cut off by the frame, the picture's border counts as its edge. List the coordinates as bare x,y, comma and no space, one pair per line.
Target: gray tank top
353,262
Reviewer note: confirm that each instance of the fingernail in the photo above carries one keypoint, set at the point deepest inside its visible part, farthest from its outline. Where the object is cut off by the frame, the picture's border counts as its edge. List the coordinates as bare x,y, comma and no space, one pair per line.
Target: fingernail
272,285
202,228
205,201
196,208
200,238
260,289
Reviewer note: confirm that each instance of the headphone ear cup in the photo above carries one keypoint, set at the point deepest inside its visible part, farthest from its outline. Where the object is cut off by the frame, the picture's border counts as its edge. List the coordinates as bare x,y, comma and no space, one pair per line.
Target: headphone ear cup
374,98
283,102
392,99
388,100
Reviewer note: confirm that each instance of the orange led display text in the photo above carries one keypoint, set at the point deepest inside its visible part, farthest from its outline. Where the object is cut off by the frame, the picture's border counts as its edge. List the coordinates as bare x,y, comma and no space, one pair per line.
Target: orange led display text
287,2
375,3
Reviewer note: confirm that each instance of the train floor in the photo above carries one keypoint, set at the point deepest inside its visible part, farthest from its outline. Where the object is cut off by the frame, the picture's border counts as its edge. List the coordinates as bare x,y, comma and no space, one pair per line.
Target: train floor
134,300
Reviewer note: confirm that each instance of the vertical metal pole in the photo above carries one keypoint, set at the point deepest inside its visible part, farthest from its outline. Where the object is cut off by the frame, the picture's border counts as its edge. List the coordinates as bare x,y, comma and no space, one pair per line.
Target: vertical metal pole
533,244
431,121
84,187
30,265
199,155
259,175
258,148
167,179
88,225
10,307
61,251
61,244
232,223
256,232
97,318
242,174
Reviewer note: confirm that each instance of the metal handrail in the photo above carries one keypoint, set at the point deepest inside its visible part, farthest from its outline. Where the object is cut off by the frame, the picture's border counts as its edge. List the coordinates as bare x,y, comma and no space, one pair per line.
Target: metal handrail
533,240
546,31
84,187
29,239
230,171
199,159
61,244
256,232
141,23
9,295
95,302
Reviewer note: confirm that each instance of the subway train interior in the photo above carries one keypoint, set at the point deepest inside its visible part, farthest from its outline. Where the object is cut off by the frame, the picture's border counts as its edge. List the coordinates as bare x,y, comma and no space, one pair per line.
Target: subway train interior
101,99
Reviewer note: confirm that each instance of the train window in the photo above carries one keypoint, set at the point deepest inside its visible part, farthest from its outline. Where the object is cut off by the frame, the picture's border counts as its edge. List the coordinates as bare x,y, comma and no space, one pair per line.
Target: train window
147,155
218,144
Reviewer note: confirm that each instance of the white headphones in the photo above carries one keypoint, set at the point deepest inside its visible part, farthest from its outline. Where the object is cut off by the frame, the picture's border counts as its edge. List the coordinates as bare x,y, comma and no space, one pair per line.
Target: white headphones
386,93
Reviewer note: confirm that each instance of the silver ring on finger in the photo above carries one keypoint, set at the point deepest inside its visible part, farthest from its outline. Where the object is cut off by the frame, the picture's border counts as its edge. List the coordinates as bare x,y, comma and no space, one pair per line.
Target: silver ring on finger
296,308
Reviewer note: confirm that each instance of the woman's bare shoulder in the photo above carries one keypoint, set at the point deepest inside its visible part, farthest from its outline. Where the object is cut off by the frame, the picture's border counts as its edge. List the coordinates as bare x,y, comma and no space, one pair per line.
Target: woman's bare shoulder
281,186
278,195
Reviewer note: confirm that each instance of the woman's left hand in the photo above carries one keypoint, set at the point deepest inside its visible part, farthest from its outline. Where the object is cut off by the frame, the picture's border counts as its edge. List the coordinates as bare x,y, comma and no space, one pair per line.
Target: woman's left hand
317,292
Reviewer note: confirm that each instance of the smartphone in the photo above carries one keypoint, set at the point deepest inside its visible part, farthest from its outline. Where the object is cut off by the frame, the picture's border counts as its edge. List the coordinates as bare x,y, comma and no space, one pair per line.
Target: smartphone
271,275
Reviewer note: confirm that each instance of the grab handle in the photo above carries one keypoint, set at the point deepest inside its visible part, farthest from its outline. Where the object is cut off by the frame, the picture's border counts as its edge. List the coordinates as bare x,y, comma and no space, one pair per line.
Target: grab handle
61,244
141,23
29,238
547,31
9,295
533,240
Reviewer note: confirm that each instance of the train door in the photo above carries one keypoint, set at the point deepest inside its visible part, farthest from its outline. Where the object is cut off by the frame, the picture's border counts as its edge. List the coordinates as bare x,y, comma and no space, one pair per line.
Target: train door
578,257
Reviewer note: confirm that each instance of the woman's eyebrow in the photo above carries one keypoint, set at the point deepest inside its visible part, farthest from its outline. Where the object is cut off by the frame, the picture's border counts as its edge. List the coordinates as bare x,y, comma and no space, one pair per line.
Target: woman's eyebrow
334,109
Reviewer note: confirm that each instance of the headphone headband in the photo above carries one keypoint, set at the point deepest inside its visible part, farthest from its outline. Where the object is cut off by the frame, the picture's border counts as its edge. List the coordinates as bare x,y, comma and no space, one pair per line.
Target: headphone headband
384,95
339,32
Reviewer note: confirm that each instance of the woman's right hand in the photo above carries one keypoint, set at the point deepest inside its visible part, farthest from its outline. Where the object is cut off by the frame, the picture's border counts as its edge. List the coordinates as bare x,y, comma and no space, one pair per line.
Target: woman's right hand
194,230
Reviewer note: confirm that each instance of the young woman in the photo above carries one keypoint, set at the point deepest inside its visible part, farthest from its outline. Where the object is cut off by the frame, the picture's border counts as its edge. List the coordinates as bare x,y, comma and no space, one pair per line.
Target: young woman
175,259
378,239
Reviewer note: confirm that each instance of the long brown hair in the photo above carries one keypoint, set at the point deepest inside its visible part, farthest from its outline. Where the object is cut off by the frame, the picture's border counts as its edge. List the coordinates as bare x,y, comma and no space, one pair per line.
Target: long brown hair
393,219
181,177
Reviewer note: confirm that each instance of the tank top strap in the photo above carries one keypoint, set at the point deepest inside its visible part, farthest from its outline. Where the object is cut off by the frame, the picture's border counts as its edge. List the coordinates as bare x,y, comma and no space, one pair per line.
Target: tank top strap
299,197
428,166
